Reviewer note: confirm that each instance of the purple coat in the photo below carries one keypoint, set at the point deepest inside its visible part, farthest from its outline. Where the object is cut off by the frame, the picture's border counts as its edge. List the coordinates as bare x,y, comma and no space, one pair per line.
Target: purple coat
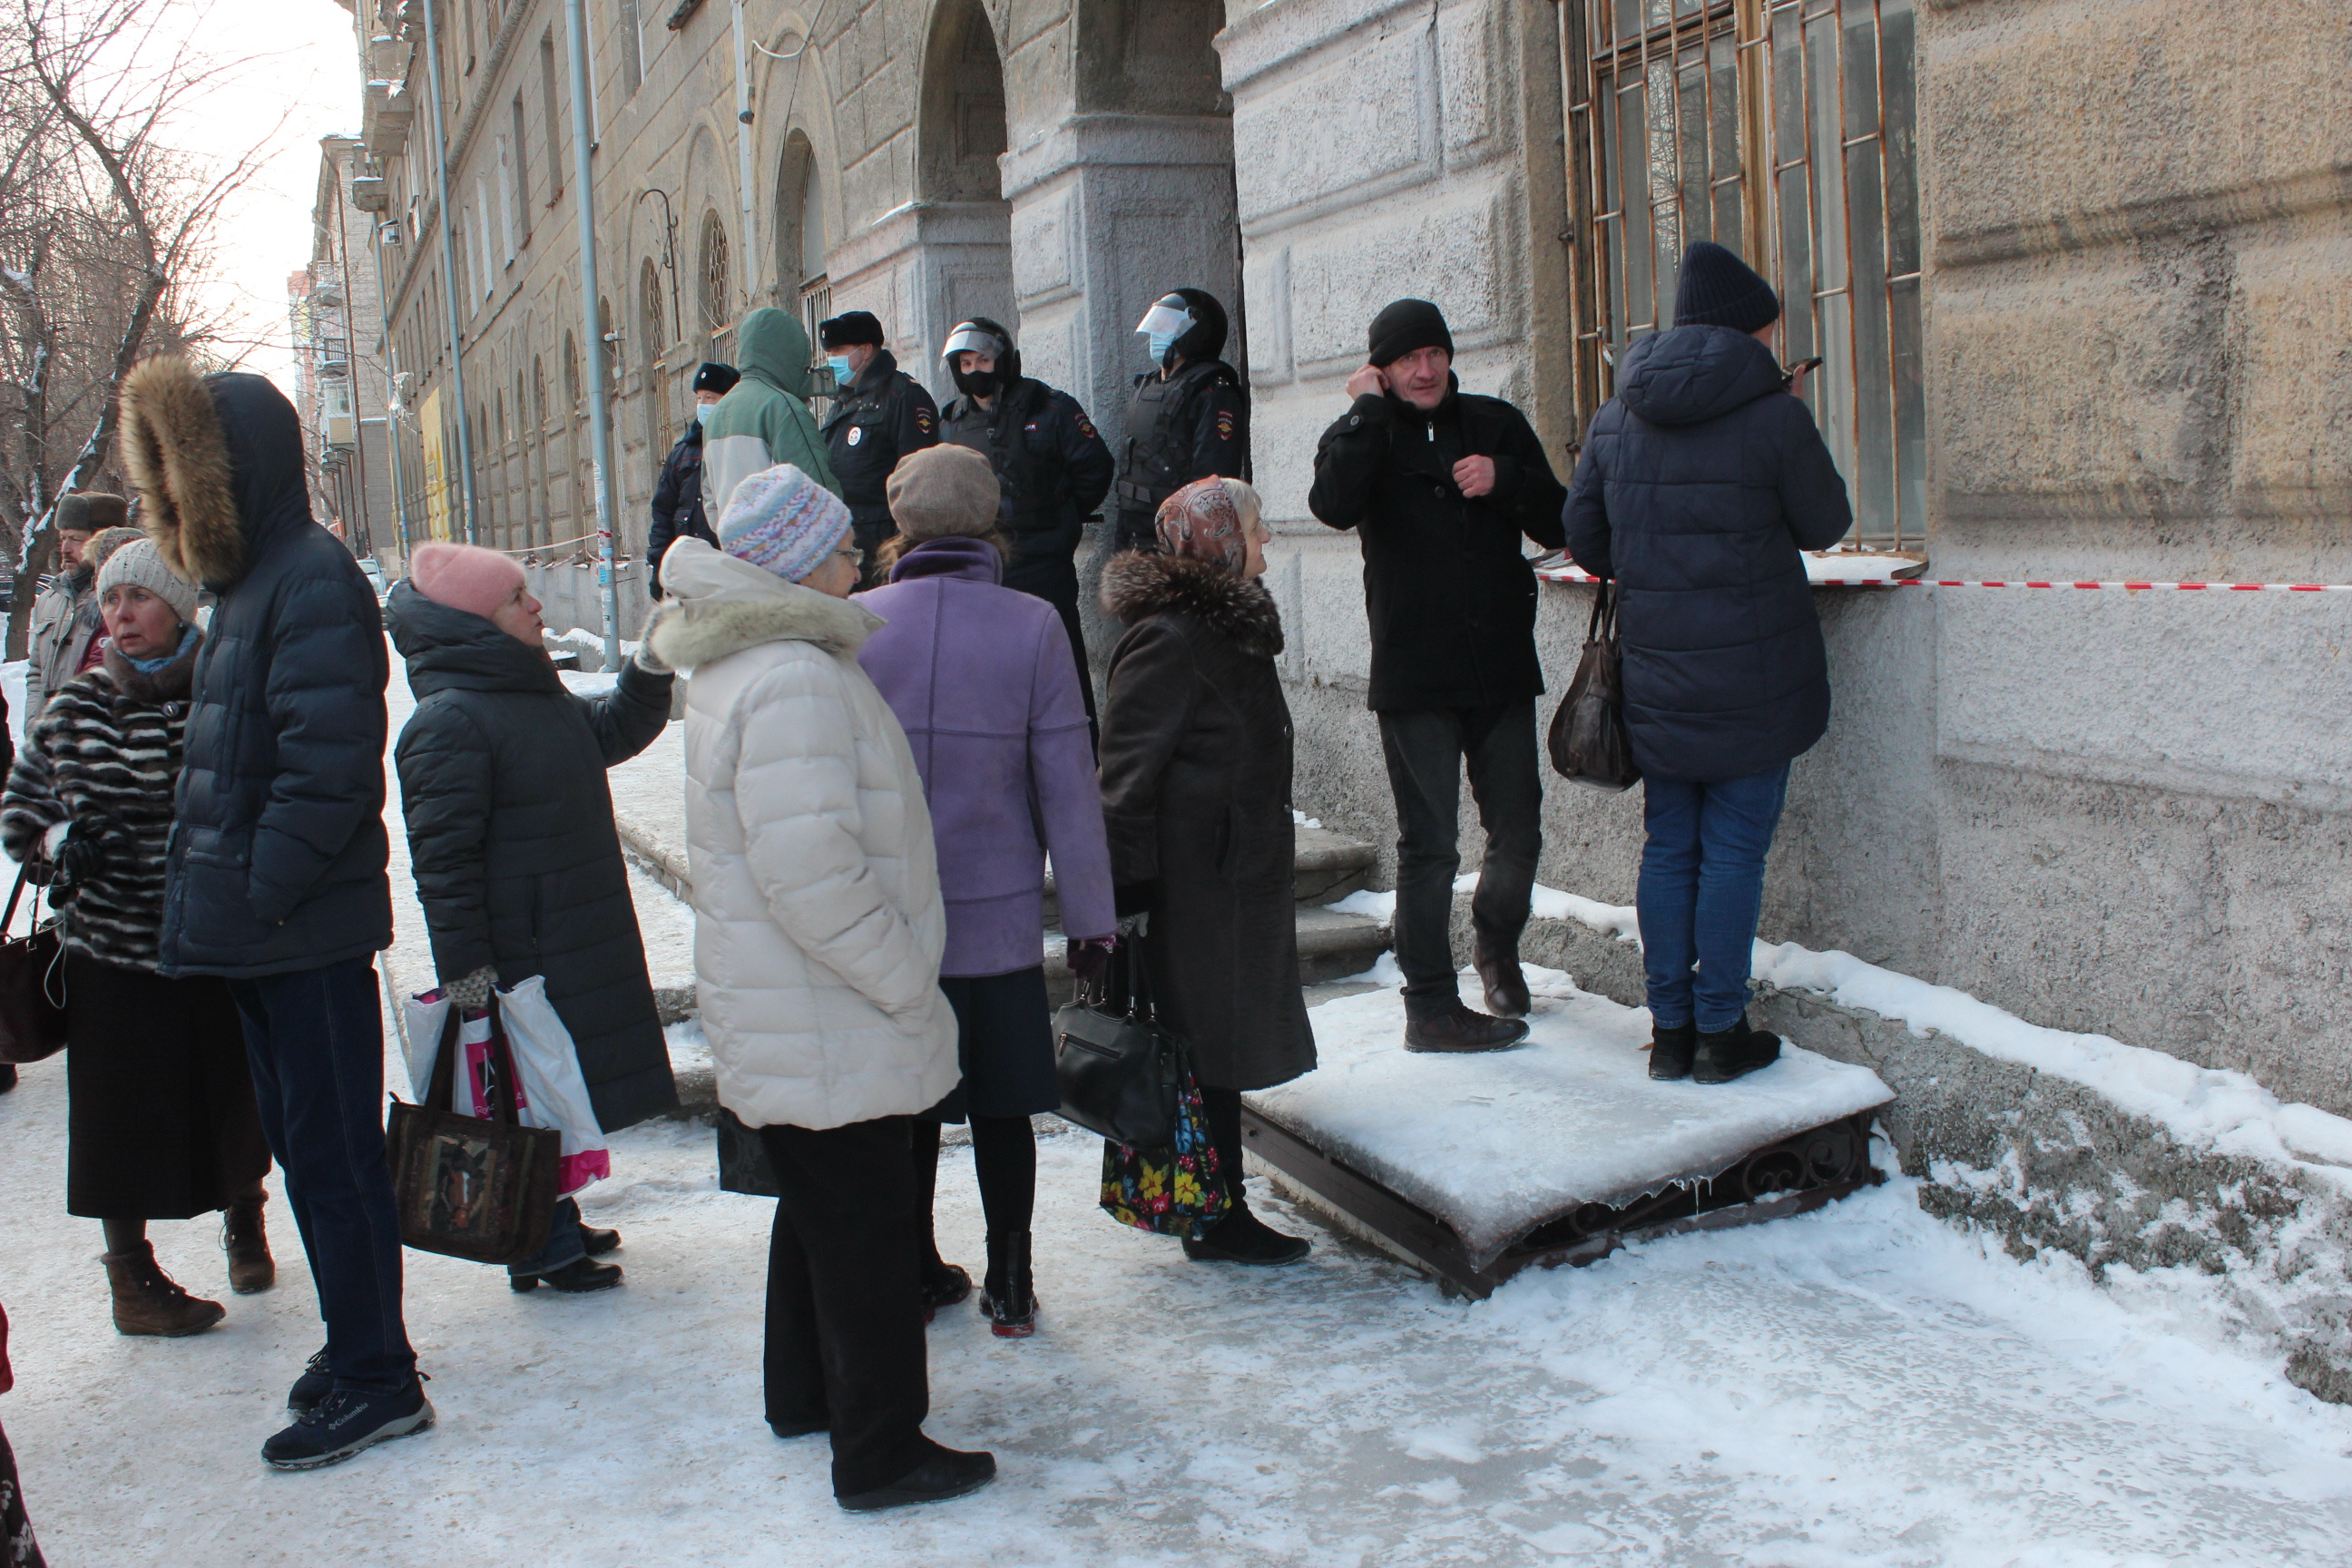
981,680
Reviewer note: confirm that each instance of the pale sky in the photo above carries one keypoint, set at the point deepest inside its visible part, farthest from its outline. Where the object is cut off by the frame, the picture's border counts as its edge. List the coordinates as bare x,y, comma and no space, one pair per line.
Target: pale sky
301,63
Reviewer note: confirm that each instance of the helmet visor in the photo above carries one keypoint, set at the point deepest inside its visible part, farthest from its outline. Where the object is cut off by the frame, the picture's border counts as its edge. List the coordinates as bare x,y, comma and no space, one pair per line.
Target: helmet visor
969,338
1165,321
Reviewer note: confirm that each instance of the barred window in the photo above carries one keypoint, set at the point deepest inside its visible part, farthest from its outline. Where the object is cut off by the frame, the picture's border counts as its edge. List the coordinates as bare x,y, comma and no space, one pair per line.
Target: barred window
1786,131
718,298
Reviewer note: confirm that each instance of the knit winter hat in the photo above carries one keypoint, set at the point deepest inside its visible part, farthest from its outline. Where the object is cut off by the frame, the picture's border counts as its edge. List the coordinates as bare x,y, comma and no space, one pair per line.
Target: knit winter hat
105,542
716,378
86,512
783,522
1407,325
942,490
1718,290
138,565
849,327
464,576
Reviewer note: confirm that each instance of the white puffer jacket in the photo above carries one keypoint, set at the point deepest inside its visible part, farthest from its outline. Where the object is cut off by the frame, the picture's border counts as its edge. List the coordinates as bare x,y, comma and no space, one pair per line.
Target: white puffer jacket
818,924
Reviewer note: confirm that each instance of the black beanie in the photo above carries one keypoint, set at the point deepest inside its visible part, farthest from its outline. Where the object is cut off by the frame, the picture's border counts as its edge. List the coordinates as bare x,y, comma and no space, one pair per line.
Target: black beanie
849,327
1718,290
1407,325
715,377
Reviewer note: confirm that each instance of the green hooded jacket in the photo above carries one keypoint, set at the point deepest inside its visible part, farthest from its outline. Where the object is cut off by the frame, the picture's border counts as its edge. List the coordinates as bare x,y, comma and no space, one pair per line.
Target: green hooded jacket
764,419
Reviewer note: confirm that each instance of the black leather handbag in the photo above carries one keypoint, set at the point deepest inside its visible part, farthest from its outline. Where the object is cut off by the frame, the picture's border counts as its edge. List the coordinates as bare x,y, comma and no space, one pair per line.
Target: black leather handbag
1588,742
32,985
1120,1072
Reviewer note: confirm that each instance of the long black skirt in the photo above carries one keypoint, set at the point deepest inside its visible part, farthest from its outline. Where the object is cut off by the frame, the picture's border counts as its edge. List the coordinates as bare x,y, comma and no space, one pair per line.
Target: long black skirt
162,1121
1005,1041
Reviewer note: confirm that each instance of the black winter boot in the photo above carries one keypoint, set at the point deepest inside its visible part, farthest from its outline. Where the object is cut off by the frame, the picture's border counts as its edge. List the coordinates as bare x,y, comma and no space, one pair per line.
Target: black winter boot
1670,1051
599,1242
576,1278
1506,984
1458,1029
250,1266
1727,1053
943,1285
7,1077
946,1474
1009,1295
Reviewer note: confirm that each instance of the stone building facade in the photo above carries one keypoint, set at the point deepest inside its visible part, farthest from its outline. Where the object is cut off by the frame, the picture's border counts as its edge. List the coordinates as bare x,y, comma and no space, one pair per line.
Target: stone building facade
2077,266
339,368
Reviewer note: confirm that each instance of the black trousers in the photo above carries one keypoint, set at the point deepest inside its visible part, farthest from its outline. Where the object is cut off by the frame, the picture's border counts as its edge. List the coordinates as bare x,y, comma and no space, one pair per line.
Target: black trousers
845,1311
1426,750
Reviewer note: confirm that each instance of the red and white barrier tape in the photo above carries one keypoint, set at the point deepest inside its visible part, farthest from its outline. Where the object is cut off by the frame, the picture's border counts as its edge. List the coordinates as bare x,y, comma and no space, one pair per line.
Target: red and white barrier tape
1578,574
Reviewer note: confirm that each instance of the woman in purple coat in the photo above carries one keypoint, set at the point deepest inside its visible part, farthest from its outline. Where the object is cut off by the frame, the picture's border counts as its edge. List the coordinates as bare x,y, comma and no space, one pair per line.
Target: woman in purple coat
983,681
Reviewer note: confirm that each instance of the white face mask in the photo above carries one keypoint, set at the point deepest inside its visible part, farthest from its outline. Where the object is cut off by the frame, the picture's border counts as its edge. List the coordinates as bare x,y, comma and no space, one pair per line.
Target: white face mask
1162,325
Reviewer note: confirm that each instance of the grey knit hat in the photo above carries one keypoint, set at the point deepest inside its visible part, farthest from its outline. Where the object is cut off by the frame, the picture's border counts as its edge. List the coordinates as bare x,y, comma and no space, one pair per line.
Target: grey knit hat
139,565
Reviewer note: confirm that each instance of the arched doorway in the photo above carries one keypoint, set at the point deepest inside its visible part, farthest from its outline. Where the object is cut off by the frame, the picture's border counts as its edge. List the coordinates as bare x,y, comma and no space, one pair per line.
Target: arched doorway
960,133
801,237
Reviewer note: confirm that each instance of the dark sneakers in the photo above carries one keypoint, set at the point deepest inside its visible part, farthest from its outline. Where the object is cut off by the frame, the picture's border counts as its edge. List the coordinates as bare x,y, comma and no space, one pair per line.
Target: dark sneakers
946,1474
316,1382
1242,1238
346,1421
1727,1053
1507,985
1462,1031
575,1278
1670,1051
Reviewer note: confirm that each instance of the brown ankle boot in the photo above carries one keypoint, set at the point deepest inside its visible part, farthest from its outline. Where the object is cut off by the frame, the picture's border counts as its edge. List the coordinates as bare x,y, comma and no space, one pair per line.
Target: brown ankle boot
147,1300
250,1266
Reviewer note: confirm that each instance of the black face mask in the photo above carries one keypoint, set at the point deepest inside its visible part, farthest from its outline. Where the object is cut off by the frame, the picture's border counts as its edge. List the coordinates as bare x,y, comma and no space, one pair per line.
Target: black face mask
976,383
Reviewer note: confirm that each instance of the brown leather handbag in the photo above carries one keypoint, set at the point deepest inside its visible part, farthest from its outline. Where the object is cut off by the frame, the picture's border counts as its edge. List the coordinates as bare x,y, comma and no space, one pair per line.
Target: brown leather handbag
482,1188
32,985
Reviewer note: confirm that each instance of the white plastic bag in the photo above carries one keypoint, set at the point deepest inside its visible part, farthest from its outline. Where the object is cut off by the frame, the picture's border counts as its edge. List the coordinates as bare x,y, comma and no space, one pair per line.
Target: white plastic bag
551,1094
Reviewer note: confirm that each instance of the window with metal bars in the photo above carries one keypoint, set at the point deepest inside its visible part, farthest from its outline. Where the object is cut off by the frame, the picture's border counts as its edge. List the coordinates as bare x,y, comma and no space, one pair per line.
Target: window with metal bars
1786,131
717,289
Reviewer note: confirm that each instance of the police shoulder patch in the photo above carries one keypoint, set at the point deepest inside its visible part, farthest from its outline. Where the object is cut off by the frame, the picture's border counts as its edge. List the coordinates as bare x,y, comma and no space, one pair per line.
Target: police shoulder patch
1086,427
1224,424
923,420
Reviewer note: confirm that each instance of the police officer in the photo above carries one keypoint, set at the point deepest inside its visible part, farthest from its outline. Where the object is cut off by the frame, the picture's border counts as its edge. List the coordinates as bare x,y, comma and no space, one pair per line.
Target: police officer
1052,467
1187,420
678,513
879,414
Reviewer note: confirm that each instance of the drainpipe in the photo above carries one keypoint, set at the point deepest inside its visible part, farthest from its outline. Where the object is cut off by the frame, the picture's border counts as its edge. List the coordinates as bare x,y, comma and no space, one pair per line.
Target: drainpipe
391,391
449,274
600,407
743,160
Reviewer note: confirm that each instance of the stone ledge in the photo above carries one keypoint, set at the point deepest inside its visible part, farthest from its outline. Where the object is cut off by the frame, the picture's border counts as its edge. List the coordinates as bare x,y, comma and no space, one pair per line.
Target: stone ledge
2042,1162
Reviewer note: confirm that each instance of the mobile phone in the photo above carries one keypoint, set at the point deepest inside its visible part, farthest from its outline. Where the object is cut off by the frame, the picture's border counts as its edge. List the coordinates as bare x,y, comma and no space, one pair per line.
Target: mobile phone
1803,365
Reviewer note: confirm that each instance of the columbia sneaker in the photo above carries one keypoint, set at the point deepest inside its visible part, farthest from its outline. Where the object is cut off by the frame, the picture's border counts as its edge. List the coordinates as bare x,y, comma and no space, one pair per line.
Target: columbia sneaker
316,1382
346,1421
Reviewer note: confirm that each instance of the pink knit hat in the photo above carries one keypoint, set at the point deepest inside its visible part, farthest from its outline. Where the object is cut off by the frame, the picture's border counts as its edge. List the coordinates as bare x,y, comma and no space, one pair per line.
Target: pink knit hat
464,576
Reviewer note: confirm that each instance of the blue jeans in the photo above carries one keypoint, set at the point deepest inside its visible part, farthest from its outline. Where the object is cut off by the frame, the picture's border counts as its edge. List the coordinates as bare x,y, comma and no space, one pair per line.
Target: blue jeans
315,1041
1702,888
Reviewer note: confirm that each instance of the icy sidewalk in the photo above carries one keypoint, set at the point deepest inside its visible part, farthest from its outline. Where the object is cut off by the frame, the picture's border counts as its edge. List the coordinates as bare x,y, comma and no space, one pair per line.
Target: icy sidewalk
1862,1385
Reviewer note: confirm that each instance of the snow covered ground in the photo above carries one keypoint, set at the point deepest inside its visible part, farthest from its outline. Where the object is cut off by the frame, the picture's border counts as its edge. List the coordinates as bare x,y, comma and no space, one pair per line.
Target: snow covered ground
1862,1385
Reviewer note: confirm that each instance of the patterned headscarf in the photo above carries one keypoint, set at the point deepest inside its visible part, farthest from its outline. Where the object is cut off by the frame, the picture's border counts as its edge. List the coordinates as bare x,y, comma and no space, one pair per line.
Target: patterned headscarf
1201,522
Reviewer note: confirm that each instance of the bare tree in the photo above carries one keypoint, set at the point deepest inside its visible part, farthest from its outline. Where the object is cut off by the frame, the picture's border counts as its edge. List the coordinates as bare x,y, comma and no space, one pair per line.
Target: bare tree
105,231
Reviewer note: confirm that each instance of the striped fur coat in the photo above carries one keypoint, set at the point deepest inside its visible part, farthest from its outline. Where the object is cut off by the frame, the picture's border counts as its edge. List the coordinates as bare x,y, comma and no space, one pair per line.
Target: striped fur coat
105,754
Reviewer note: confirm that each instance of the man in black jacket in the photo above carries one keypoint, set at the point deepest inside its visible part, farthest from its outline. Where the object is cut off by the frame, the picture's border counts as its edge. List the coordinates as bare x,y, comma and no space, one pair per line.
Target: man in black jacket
1701,482
1440,486
879,414
1052,467
677,499
274,874
1187,419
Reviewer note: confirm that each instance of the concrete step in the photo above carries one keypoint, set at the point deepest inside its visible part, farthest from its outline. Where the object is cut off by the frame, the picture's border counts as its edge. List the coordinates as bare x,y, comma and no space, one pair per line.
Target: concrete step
1332,946
1325,866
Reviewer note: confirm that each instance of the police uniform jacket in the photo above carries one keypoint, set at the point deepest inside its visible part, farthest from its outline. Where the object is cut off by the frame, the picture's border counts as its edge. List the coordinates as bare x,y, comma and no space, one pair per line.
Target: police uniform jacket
885,414
1052,467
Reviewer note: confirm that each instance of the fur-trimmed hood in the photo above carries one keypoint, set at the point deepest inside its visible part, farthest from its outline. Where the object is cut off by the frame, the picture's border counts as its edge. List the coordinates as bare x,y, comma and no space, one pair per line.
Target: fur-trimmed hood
1140,583
718,606
218,463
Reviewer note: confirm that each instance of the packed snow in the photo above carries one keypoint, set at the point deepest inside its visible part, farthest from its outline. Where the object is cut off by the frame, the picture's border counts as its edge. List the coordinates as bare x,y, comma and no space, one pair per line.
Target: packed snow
1497,1143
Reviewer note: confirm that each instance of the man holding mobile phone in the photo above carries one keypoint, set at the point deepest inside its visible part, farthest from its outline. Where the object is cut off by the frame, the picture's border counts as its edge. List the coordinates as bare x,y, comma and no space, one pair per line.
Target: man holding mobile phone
1702,482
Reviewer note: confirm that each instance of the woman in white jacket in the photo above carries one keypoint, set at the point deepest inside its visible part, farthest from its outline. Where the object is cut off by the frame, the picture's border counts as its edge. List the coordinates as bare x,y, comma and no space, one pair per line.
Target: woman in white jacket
818,930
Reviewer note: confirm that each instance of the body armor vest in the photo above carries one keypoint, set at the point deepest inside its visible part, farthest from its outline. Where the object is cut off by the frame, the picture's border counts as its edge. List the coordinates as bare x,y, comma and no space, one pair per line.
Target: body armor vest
995,433
1159,451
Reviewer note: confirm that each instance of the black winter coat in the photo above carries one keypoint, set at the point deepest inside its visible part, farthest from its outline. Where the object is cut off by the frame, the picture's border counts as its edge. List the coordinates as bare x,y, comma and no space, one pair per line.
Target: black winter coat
678,505
511,842
278,849
882,416
1196,798
1701,481
1052,467
1449,590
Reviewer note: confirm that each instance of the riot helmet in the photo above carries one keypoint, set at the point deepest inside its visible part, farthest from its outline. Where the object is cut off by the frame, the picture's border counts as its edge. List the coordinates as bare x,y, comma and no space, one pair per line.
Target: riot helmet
978,334
1187,321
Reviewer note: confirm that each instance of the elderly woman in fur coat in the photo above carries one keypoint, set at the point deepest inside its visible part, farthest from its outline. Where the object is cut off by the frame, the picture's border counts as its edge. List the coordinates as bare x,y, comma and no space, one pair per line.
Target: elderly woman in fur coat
1196,798
161,1117
818,934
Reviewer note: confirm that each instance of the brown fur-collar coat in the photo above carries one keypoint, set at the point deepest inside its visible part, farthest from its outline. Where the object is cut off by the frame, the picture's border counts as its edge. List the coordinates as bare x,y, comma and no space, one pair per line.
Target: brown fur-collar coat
1195,755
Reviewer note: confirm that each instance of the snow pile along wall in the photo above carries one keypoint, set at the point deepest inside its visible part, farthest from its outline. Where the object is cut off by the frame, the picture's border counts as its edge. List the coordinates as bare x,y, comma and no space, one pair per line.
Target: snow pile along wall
2123,1157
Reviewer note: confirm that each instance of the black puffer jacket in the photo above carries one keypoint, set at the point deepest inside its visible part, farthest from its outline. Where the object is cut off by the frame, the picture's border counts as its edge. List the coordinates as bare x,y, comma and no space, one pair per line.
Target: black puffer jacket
678,505
511,842
1447,584
1196,797
1701,481
277,852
